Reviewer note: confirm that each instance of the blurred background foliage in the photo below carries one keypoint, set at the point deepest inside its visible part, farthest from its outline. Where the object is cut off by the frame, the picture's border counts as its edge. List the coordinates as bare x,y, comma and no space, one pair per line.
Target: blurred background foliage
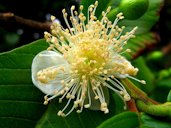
13,34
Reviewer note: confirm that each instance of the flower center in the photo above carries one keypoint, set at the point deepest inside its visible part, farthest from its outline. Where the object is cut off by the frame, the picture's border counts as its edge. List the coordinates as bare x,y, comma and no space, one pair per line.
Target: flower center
89,56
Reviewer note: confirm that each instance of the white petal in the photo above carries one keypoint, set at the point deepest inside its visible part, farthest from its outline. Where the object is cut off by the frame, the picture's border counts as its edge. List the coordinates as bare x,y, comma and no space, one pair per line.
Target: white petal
123,64
121,76
44,60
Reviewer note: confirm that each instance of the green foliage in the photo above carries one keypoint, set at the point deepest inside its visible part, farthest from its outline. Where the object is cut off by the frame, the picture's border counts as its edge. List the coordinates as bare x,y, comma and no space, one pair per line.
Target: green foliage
123,120
144,74
162,89
20,102
169,97
133,9
86,119
155,56
150,122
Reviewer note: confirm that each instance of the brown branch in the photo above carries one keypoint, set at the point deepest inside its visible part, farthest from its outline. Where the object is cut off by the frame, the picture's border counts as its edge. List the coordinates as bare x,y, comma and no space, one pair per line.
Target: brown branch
167,49
132,106
27,22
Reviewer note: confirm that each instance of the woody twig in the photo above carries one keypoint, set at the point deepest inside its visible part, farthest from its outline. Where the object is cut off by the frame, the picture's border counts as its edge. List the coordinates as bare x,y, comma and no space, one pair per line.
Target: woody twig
27,22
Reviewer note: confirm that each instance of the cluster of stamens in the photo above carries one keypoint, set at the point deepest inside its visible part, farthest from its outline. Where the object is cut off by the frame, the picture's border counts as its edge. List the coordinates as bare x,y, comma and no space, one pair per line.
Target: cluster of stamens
46,75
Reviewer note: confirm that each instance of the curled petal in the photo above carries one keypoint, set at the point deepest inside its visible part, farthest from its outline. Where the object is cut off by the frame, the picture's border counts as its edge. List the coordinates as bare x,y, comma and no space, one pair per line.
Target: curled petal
122,67
43,60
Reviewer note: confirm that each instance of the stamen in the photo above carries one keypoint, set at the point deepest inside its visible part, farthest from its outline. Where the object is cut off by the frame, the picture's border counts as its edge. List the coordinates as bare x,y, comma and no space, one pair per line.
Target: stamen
89,98
66,21
141,81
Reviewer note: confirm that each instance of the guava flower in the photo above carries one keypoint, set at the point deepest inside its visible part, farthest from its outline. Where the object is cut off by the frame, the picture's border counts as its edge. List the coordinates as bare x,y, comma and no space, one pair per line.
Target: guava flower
84,60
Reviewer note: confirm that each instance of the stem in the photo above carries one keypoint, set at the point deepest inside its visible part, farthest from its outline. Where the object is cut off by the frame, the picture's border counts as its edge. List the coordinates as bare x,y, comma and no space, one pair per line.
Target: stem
156,110
144,103
132,105
134,91
27,22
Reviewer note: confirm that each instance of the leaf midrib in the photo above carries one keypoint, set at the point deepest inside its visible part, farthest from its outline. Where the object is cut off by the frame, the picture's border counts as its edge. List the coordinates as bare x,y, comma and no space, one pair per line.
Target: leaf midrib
18,118
21,101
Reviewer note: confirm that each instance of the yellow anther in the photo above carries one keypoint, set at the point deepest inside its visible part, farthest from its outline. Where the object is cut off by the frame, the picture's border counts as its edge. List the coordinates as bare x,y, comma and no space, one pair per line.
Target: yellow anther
81,7
53,18
72,8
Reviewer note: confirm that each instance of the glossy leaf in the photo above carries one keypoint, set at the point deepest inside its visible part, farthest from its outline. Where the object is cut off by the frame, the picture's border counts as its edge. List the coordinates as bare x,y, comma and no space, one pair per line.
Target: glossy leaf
133,9
20,101
123,120
150,122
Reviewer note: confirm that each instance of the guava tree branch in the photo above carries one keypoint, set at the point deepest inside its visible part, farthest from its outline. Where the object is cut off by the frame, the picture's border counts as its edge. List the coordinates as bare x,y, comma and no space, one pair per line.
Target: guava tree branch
27,22
160,110
167,49
144,103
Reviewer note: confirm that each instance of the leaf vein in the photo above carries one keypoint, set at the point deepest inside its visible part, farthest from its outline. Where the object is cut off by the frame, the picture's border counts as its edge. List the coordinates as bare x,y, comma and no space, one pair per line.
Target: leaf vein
21,101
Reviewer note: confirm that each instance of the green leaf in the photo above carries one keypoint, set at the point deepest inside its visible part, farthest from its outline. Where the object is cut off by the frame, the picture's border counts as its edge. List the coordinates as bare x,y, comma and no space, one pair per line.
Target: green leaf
133,9
20,102
86,119
118,103
162,89
149,122
144,73
169,97
123,120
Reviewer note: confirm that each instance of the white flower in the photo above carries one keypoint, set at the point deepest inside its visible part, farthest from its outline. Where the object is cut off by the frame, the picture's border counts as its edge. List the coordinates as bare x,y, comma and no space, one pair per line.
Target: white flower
84,60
